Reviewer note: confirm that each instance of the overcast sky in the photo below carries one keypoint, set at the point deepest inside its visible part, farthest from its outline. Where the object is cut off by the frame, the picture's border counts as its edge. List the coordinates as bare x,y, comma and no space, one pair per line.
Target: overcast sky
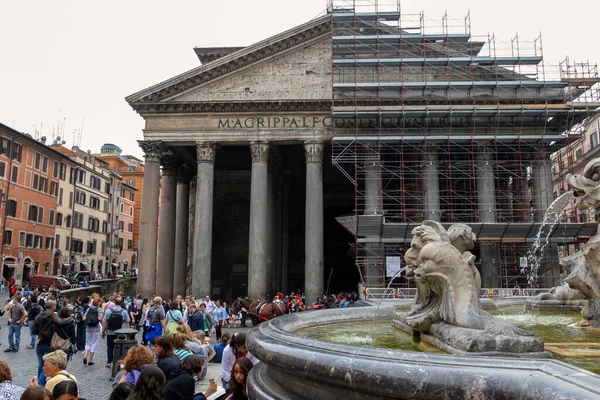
61,60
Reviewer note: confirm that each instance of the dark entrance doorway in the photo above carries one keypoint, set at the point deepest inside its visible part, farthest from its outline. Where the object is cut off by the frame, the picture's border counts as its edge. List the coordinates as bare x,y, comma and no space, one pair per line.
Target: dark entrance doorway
8,267
56,262
26,270
231,219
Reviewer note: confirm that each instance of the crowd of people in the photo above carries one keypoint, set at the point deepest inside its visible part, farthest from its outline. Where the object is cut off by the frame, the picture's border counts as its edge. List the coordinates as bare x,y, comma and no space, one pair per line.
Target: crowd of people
174,353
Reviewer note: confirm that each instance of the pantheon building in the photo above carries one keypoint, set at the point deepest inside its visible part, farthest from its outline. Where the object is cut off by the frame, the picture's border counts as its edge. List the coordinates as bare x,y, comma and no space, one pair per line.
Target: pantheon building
304,161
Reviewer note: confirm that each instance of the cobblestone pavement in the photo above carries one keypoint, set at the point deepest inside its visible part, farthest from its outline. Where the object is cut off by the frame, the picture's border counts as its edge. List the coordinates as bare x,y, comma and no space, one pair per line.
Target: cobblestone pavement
94,381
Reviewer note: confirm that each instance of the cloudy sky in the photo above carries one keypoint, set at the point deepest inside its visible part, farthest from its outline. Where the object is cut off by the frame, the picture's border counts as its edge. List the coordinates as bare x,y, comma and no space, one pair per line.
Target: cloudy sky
61,60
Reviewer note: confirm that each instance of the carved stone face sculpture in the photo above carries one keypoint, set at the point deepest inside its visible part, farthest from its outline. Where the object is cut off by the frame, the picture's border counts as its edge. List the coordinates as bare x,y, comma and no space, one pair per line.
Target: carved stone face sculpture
462,237
587,185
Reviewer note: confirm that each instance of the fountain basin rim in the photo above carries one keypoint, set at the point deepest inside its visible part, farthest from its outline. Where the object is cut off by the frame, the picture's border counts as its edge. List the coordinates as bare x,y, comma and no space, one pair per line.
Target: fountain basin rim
327,363
275,331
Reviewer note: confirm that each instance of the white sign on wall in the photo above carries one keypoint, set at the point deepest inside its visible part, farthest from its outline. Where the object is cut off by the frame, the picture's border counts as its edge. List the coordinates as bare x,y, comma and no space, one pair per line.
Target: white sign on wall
523,262
392,266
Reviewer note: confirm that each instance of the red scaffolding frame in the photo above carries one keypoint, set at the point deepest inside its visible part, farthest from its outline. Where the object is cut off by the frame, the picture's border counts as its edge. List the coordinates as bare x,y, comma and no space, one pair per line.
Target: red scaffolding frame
423,107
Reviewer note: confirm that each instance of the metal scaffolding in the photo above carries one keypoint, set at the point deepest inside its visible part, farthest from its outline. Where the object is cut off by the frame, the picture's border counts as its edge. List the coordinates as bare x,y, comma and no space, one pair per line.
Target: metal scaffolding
432,122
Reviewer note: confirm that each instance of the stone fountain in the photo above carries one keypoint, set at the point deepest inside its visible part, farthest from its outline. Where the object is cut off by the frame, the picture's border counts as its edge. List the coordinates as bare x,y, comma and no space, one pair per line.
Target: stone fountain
295,367
446,311
585,264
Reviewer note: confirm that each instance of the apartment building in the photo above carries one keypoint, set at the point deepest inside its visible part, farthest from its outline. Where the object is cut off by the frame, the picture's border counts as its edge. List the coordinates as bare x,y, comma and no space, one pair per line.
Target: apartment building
584,146
63,221
87,214
126,224
131,170
30,177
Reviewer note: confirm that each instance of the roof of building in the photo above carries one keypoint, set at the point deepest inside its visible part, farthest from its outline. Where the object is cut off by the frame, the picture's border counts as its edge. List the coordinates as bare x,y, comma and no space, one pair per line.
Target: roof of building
63,150
129,187
81,157
31,140
210,54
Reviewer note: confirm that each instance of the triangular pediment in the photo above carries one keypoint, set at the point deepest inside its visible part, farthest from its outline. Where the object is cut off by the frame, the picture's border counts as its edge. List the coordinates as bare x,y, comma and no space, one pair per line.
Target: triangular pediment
300,73
199,84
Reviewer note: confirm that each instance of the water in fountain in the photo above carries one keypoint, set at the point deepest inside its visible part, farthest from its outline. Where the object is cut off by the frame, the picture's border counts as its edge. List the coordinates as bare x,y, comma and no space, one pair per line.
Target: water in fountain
396,275
551,218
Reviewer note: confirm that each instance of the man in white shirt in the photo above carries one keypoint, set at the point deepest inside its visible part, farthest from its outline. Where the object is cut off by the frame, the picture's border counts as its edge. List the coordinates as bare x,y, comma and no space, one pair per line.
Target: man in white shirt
210,305
185,306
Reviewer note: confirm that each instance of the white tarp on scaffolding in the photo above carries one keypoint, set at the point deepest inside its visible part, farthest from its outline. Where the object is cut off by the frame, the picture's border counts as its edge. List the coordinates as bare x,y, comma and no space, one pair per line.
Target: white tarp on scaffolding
392,266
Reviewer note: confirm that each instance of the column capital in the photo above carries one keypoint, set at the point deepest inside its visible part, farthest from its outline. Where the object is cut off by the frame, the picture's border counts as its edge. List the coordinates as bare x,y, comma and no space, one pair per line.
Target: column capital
314,151
484,153
433,158
205,152
259,151
153,150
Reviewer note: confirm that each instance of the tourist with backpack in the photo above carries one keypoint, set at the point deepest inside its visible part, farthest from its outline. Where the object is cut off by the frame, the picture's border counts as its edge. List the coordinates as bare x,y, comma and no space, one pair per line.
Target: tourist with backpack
93,328
155,318
114,319
78,314
34,311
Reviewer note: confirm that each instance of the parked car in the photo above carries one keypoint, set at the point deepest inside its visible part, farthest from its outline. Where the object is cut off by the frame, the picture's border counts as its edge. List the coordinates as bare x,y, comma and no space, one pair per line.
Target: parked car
82,276
45,281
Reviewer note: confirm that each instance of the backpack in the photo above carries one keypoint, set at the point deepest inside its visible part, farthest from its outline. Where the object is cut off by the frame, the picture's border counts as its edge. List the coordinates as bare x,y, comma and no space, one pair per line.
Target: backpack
152,315
78,314
34,311
92,317
115,320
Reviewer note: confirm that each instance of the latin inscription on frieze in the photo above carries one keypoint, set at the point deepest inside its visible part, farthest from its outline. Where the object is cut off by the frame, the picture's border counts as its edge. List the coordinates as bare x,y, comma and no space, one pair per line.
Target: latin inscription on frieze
274,122
305,122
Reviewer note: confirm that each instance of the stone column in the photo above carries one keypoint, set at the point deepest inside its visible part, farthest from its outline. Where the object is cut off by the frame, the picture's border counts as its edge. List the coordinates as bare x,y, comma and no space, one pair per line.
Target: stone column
486,201
486,188
278,231
433,209
146,281
182,215
541,176
285,232
257,249
166,234
373,206
271,231
191,225
201,275
373,198
313,233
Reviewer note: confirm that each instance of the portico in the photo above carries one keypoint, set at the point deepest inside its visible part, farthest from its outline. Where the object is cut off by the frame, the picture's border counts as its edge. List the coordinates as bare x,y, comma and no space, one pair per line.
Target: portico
224,198
255,213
